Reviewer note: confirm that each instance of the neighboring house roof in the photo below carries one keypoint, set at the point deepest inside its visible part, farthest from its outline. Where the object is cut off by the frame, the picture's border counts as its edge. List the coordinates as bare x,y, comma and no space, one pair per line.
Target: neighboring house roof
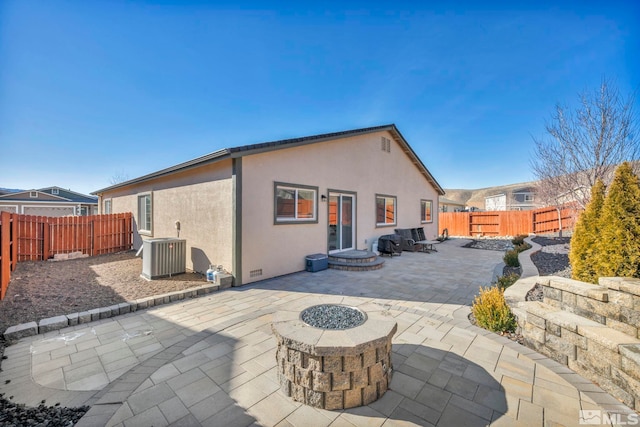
236,152
71,195
45,195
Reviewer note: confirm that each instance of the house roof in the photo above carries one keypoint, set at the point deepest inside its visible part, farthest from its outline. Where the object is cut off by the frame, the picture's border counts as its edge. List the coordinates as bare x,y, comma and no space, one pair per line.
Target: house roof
65,196
245,150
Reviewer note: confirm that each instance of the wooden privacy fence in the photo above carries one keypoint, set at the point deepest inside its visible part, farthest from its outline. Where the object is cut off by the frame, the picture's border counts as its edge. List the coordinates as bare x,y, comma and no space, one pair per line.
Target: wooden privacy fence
506,223
8,249
36,238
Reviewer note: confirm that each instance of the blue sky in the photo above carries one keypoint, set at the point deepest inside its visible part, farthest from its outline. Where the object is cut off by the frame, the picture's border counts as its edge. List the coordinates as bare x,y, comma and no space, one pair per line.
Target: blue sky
94,89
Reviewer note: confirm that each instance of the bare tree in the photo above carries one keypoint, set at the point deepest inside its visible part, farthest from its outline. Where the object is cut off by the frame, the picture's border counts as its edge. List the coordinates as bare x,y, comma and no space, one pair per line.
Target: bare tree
585,144
118,177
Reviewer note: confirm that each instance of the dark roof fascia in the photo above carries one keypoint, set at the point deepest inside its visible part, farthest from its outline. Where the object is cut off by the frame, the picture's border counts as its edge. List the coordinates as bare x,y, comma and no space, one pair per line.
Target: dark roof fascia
208,158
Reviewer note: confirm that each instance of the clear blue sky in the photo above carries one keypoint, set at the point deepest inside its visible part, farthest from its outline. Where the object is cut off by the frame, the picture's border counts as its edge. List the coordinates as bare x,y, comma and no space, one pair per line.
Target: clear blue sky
92,89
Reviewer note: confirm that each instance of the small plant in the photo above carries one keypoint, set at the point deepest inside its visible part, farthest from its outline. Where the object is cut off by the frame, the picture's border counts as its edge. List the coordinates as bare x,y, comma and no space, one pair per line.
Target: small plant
511,258
504,282
492,312
522,247
518,240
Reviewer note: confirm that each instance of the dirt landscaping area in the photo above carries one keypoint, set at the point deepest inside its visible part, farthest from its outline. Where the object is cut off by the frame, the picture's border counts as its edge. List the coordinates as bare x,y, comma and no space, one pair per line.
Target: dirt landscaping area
40,289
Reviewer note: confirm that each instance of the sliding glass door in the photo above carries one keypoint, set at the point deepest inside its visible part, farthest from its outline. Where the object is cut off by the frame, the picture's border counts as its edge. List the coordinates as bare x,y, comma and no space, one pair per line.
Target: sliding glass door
342,228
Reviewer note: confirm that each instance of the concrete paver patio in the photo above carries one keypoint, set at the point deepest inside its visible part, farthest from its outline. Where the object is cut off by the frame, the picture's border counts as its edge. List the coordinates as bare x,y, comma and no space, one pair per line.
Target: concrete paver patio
210,361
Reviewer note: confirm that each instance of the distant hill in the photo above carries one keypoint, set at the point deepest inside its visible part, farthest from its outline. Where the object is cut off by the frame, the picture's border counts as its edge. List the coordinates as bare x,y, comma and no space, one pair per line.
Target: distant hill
9,190
475,198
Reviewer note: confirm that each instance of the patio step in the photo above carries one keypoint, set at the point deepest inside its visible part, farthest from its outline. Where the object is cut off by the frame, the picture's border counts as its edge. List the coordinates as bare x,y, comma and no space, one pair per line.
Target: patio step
355,261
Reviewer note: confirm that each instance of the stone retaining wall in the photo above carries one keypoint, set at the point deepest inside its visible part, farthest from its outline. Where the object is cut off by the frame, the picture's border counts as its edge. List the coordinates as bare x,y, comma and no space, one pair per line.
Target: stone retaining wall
593,329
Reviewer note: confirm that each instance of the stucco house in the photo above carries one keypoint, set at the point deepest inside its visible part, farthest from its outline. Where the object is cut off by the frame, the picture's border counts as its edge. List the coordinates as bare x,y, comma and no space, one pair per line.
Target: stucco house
49,201
258,210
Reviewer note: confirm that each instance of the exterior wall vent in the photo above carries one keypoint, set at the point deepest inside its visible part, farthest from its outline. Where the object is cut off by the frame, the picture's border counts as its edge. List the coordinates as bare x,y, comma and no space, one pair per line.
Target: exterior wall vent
163,257
386,145
255,273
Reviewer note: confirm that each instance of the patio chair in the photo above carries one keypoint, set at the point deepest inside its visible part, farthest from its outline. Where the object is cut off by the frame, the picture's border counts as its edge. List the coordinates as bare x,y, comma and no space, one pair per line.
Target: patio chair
408,242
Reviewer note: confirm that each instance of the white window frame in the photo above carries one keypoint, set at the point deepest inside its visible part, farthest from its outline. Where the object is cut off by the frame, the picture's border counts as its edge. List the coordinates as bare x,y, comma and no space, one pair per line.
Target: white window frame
105,203
55,191
528,198
386,199
33,194
142,221
423,204
296,188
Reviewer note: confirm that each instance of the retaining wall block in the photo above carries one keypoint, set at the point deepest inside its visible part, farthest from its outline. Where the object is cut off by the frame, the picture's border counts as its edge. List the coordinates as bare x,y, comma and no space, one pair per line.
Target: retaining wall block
561,346
590,305
569,298
534,333
626,382
552,302
20,331
630,362
573,338
552,293
625,328
72,319
52,324
622,299
593,363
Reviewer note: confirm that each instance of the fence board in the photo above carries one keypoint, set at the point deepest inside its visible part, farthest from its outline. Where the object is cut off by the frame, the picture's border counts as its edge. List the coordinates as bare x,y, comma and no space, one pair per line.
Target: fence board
5,252
506,223
34,238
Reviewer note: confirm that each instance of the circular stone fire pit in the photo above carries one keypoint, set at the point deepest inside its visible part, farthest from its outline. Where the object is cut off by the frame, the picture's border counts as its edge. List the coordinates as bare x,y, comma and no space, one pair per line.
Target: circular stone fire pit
334,356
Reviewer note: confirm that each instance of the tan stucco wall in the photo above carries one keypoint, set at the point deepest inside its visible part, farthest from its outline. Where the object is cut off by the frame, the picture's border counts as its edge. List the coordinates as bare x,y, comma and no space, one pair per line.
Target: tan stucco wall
355,164
201,199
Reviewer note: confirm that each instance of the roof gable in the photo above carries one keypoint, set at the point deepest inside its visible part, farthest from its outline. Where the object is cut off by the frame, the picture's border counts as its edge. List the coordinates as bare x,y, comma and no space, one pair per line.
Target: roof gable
245,150
70,195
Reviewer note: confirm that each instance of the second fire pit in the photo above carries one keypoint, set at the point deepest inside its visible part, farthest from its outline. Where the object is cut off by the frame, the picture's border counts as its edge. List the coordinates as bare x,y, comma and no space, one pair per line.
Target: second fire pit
334,356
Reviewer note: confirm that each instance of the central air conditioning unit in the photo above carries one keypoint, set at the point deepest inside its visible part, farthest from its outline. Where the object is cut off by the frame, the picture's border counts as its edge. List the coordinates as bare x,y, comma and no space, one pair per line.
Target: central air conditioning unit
163,257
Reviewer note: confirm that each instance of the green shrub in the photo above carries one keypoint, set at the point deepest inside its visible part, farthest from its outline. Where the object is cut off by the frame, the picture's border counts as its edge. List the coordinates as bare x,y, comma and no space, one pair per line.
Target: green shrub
584,255
492,312
522,247
518,240
619,243
511,258
504,282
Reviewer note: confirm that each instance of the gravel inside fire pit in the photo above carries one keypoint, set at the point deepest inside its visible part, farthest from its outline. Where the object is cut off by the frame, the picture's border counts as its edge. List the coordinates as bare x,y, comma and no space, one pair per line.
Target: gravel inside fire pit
332,316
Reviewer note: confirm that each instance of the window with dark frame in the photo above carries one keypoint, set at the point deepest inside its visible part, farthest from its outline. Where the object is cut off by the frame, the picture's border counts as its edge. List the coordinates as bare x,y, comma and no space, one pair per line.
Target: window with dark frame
295,203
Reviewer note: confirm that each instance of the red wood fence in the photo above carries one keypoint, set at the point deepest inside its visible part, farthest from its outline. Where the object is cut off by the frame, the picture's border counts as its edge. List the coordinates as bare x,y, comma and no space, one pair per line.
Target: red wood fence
35,238
506,223
8,249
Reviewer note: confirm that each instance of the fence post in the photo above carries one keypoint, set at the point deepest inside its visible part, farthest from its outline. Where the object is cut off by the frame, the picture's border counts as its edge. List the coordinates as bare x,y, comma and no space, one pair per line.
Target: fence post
5,252
46,239
14,241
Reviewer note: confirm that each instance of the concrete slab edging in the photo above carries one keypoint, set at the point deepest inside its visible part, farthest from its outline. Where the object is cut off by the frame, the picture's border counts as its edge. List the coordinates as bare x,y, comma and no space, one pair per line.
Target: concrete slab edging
60,322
